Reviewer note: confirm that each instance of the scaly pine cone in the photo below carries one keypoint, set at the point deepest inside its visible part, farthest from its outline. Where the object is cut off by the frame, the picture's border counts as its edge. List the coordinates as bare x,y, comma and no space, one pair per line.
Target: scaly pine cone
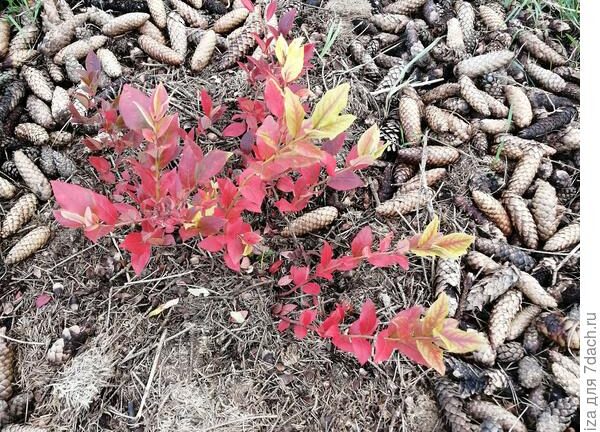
532,339
28,245
391,78
73,69
403,172
530,372
572,91
61,35
510,352
230,21
18,58
493,126
8,167
215,7
6,367
241,44
67,345
154,32
32,133
158,12
524,173
455,38
60,105
12,96
504,252
404,204
60,138
491,287
192,16
482,64
204,51
490,426
486,355
558,415
177,33
522,219
456,105
20,405
447,280
521,107
442,121
23,428
537,402
494,210
544,208
473,95
522,321
492,20
434,155
410,119
39,112
32,176
404,6
487,410
25,38
560,329
110,63
390,133
480,262
20,213
387,61
498,382
363,58
4,37
516,148
311,221
446,393
503,312
79,49
441,92
7,189
159,52
432,178
125,23
554,121
39,84
539,49
564,378
65,167
545,78
497,108
46,162
566,141
563,239
466,17
568,363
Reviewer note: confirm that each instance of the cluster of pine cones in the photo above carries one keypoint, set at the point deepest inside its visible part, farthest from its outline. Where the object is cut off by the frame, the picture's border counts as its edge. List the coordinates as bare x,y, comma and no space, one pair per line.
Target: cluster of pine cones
504,95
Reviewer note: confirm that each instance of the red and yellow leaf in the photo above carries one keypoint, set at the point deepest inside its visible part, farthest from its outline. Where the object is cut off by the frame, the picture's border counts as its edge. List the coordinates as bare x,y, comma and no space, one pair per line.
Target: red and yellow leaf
369,143
435,316
326,115
432,354
453,245
294,61
455,340
294,113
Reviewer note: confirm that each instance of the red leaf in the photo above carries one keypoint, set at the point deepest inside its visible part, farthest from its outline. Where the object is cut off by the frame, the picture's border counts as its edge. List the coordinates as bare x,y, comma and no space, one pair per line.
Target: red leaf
367,321
92,63
206,102
212,243
211,165
42,300
361,349
102,166
274,98
330,326
383,260
248,5
274,268
311,288
140,251
235,129
287,21
335,145
283,325
299,275
361,245
271,10
345,180
284,281
306,318
134,106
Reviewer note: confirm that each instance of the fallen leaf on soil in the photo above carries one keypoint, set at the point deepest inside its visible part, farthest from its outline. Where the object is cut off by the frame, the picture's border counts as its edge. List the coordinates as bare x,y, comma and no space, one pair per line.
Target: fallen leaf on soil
163,307
238,317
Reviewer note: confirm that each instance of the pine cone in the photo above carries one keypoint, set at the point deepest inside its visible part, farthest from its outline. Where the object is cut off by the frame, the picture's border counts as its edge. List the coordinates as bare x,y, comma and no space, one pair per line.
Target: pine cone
124,23
473,95
154,32
566,141
386,61
61,35
492,20
7,189
32,176
403,172
521,107
472,379
572,91
40,112
159,52
510,352
204,51
311,221
20,405
4,37
490,426
544,208
28,245
39,84
554,121
67,345
190,15
60,105
524,173
404,6
230,21
516,148
466,17
441,92
79,49
442,121
563,239
110,63
530,372
12,96
446,393
497,108
177,33
18,58
493,126
494,210
410,119
522,220
545,78
390,135
539,49
558,415
9,168
564,378
447,280
560,329
214,7
456,105
6,367
491,287
485,355
434,155
482,64
158,12
98,16
74,69
32,133
404,204
65,167
523,320
25,38
20,213
532,339
46,162
498,382
432,178
455,38
480,262
503,313
569,363
60,138
241,44
537,402
504,252
487,410
23,428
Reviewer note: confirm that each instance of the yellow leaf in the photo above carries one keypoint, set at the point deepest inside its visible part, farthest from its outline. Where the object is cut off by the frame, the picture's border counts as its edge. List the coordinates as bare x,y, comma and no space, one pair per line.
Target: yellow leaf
281,50
294,113
459,341
163,307
329,107
369,143
294,61
333,129
436,315
453,245
430,232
